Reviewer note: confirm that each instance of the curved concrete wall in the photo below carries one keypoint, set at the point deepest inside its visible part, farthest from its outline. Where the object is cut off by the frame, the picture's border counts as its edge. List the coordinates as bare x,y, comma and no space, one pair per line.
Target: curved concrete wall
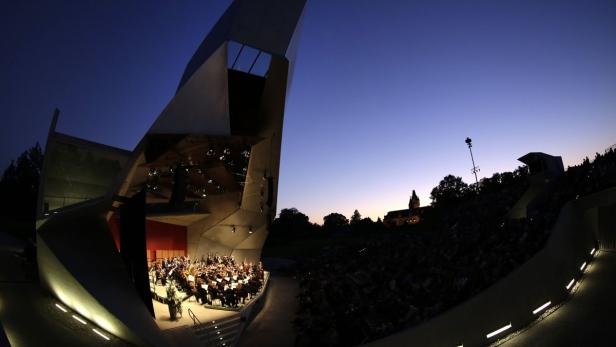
512,300
79,264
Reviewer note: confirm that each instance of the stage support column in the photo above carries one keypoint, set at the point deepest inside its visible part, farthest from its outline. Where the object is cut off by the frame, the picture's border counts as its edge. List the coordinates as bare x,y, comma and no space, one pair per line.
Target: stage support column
133,243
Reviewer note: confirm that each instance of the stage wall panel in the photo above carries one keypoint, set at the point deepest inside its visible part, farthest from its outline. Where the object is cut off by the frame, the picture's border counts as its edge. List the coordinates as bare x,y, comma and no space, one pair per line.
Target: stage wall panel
163,236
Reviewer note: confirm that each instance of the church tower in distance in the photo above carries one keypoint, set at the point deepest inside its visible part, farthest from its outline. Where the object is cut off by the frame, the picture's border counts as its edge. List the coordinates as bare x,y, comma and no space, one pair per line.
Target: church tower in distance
414,202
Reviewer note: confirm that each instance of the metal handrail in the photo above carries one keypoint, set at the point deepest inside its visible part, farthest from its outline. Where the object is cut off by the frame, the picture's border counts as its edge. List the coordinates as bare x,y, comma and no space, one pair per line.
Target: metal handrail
194,318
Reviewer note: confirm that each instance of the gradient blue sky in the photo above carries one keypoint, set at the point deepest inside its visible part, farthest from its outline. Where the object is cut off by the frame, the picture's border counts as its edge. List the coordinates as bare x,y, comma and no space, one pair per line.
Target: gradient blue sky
383,96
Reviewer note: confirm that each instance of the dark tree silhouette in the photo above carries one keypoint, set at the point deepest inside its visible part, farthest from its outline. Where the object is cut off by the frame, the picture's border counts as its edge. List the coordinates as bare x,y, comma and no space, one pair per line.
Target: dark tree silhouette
365,225
450,190
19,191
290,222
335,222
293,215
356,217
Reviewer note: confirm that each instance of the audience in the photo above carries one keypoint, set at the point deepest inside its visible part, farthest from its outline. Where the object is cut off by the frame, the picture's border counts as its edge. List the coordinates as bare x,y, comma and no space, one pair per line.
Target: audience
396,279
214,280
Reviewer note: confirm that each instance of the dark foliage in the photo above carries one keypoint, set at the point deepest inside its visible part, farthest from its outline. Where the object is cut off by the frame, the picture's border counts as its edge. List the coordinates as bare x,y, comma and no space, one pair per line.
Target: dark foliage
450,190
291,223
335,222
19,191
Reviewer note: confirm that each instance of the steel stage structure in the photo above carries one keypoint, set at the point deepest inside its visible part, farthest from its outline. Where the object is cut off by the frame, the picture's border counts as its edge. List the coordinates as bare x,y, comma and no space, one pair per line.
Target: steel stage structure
202,180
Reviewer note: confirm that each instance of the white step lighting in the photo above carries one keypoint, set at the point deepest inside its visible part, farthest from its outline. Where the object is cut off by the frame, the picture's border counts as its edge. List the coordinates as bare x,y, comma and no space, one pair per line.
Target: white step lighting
79,320
498,331
101,334
542,307
570,284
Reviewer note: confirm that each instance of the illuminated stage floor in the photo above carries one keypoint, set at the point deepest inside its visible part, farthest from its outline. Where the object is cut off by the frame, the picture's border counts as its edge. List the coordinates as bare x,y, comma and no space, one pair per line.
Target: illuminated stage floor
183,332
202,313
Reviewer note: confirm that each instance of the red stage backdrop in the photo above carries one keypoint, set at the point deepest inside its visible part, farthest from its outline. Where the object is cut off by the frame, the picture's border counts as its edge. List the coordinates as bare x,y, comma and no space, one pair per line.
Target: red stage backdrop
167,240
165,236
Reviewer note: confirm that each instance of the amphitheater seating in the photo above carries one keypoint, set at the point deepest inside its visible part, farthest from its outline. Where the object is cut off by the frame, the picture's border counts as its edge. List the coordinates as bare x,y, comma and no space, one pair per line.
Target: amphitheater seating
393,281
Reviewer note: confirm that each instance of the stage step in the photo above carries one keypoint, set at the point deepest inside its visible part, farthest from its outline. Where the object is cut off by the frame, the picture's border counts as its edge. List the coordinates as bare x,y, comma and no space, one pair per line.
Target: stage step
222,332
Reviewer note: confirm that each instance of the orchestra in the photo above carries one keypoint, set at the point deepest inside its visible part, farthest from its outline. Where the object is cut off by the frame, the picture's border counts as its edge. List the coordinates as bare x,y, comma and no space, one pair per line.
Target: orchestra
213,280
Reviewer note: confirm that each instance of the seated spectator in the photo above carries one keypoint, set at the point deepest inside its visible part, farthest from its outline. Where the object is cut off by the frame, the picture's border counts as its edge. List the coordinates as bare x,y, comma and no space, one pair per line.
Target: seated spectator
396,279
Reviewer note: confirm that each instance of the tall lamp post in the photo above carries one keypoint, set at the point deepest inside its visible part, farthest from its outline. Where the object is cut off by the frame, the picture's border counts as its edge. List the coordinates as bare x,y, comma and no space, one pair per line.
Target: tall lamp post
475,169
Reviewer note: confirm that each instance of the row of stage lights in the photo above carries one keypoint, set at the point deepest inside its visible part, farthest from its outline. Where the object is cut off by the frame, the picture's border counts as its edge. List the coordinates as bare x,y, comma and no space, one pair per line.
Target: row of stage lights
82,321
155,172
543,307
227,151
201,191
212,153
222,157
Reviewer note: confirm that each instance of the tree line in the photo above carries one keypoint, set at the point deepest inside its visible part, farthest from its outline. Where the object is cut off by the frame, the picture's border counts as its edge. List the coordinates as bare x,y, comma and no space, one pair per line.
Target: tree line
19,191
20,182
450,191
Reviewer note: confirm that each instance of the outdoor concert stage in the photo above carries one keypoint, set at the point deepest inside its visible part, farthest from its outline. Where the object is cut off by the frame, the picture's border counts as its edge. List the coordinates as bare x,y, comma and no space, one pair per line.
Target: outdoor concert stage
203,313
203,179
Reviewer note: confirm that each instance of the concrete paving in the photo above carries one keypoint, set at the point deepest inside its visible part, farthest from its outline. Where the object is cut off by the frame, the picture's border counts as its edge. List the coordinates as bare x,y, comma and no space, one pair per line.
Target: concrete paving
586,319
273,326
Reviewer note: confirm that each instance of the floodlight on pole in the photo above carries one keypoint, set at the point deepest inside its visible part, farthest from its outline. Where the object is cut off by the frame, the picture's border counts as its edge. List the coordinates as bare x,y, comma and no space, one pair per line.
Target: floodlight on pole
475,169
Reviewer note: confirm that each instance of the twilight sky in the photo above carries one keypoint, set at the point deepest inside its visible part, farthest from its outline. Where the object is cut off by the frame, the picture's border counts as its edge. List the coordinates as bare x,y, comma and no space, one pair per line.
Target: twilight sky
383,96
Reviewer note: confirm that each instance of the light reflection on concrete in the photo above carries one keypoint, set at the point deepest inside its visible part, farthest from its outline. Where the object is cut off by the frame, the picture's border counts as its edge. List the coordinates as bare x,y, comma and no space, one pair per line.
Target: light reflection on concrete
581,320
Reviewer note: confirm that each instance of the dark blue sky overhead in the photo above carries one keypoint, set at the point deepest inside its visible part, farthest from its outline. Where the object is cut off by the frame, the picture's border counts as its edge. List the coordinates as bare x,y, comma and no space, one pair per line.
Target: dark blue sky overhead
383,96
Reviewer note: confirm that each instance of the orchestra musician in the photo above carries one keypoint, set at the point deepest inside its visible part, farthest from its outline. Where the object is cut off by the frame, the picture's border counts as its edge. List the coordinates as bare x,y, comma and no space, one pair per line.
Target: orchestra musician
212,279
